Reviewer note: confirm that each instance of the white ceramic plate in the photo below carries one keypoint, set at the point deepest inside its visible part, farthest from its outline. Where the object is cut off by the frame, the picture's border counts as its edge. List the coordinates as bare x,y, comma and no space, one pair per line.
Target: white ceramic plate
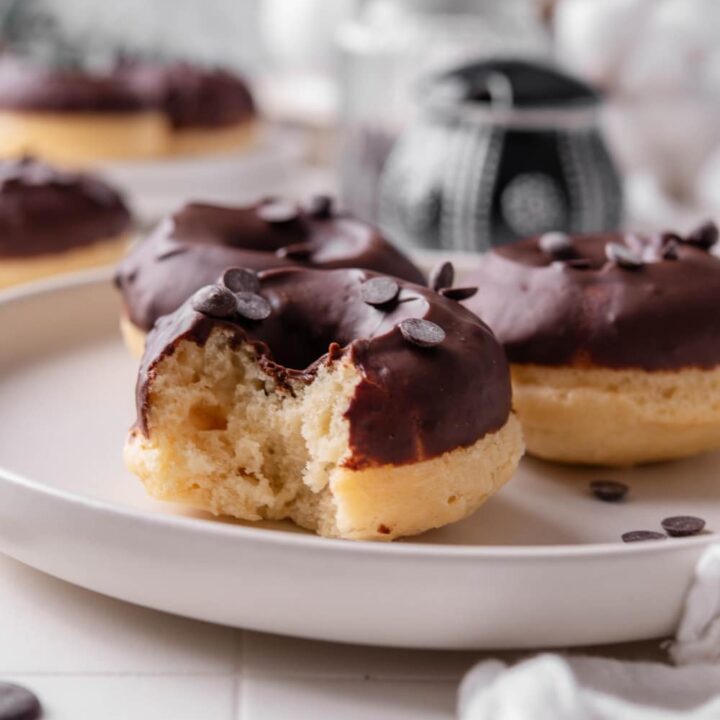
539,565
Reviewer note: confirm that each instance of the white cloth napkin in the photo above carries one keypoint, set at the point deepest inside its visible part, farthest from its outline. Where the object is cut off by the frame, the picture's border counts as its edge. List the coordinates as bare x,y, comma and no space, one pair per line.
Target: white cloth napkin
554,687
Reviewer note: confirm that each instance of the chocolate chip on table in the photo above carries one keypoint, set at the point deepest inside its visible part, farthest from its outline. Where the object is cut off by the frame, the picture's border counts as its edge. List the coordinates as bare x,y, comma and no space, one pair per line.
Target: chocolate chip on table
557,245
278,212
623,256
18,703
421,332
704,236
641,535
252,306
442,276
215,301
298,251
319,206
683,525
241,280
608,490
459,293
379,291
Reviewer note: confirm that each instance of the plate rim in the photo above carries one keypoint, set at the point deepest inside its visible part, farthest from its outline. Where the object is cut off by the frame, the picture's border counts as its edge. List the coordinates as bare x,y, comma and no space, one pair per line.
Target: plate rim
408,547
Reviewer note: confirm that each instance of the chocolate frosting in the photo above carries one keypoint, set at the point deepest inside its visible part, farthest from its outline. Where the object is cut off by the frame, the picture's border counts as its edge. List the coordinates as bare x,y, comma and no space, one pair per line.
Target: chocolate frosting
192,248
191,96
32,86
588,311
45,210
412,403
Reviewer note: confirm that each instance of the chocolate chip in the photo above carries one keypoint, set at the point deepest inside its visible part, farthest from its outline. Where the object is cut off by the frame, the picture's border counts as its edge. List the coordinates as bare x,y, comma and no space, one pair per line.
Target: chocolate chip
704,236
442,276
608,490
461,293
622,256
421,332
683,525
215,301
641,535
379,291
278,212
557,245
576,264
670,250
18,703
319,206
252,306
241,280
299,251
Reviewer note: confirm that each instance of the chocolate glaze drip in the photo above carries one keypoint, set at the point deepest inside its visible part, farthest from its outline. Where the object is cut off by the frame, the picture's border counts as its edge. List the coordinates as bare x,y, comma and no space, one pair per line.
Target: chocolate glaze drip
586,310
25,85
191,96
412,403
45,210
193,247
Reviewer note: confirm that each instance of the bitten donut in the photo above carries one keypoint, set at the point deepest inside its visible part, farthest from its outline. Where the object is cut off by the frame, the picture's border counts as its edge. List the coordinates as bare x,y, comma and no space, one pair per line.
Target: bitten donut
613,342
192,248
54,221
74,117
358,405
208,109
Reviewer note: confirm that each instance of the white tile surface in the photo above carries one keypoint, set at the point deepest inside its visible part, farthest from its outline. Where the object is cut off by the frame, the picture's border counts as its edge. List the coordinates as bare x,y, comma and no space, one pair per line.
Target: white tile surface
274,699
47,625
133,698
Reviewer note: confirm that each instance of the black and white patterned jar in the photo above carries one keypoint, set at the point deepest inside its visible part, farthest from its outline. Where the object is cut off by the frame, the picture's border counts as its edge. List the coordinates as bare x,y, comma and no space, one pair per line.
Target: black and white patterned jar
502,149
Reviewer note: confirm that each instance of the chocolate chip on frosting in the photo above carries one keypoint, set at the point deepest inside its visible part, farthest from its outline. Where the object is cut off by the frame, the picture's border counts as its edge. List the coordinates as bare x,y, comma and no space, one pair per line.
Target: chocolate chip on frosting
252,306
458,293
442,276
704,236
215,301
423,333
379,291
278,212
683,525
298,251
557,245
241,280
622,256
319,206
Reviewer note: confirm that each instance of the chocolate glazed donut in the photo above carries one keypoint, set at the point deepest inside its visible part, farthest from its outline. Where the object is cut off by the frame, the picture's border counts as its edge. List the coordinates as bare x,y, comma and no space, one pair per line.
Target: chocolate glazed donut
368,407
196,244
613,341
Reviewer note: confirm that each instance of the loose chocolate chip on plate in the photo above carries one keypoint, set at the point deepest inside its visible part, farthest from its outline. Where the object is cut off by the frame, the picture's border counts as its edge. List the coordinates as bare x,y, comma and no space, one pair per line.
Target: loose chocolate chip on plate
623,256
557,245
641,535
241,280
608,490
319,206
252,306
683,525
215,301
299,251
460,293
421,332
18,703
379,291
442,276
704,236
278,212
